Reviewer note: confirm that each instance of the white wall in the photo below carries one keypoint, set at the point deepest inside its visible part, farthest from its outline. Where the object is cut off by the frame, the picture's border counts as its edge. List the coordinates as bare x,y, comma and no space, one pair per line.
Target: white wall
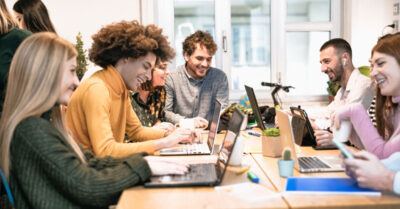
364,21
87,16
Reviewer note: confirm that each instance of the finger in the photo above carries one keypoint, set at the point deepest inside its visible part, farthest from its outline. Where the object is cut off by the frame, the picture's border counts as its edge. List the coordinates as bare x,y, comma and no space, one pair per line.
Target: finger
319,132
364,155
324,142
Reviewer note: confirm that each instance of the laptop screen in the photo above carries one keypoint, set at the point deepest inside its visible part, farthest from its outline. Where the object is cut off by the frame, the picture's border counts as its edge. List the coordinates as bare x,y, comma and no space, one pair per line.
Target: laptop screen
229,142
254,106
214,125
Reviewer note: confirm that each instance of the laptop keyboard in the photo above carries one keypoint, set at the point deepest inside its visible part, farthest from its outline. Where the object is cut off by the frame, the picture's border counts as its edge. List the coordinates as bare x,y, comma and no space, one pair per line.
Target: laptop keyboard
194,148
312,162
196,171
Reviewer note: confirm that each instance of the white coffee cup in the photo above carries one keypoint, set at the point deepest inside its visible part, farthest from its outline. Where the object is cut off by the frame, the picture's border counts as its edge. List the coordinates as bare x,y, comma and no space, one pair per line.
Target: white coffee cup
237,152
343,133
187,123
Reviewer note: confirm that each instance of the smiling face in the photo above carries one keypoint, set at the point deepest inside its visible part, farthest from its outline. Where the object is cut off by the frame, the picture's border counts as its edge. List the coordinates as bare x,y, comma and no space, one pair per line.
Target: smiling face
69,81
385,71
331,64
160,73
199,62
136,71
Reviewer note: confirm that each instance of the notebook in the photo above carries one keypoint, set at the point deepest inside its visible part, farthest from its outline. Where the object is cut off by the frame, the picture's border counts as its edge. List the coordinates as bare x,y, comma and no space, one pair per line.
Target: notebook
199,148
256,110
305,164
207,174
326,186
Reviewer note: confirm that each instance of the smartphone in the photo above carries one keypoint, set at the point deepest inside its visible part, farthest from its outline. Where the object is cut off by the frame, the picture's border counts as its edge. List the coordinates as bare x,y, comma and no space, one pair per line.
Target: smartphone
344,151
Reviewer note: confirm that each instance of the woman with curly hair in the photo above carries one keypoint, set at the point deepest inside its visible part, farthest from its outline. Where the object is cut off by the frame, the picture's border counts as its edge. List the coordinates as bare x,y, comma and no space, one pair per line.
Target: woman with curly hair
46,168
99,113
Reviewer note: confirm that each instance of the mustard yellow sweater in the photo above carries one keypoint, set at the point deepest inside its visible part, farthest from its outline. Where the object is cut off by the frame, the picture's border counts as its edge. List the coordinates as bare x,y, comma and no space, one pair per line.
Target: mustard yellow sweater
99,114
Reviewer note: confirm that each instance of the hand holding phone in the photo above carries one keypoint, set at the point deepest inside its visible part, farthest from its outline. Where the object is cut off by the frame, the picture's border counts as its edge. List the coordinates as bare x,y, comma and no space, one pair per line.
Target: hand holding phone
344,151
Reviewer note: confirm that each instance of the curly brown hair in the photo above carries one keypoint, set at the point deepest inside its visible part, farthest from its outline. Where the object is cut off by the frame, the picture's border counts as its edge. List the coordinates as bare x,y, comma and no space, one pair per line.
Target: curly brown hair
128,39
202,38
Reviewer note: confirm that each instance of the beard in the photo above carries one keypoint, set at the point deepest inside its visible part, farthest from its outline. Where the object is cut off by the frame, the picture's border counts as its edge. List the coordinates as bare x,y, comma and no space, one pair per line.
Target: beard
338,72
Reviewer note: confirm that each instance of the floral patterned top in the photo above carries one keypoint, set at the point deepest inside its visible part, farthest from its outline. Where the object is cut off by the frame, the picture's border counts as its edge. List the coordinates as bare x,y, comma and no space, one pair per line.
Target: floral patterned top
152,111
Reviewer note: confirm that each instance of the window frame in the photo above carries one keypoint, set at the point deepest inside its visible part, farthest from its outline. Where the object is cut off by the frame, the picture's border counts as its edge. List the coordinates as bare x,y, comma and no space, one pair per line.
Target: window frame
161,13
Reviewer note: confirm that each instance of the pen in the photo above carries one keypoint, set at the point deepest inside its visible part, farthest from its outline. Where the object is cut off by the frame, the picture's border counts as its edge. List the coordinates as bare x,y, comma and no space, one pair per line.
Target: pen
252,177
242,170
254,134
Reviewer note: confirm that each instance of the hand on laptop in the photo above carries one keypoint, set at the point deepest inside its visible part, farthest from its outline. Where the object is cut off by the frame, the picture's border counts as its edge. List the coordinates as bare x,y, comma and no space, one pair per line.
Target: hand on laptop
165,126
179,135
163,166
200,122
323,137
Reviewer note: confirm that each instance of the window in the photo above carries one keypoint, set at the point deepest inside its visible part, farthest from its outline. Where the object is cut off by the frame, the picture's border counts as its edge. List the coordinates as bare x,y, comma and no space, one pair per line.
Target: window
260,40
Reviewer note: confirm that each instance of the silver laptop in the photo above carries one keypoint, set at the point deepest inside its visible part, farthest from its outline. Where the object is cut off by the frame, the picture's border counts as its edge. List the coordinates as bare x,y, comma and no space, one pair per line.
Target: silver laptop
206,174
305,164
199,148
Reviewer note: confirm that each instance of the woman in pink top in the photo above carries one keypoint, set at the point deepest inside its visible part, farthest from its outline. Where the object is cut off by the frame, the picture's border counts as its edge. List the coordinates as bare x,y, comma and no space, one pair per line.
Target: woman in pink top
385,71
365,167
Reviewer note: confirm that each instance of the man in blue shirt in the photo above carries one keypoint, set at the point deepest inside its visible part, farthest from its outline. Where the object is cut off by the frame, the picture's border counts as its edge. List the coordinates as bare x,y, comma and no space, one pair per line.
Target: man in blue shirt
193,87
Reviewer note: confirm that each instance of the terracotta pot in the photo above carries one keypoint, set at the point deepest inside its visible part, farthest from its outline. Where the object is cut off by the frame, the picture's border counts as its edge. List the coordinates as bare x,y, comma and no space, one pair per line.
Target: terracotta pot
271,146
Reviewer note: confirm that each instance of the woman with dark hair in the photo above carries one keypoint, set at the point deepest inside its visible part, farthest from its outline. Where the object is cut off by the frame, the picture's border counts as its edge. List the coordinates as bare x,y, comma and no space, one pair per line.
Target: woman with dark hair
148,101
32,15
10,38
384,142
99,113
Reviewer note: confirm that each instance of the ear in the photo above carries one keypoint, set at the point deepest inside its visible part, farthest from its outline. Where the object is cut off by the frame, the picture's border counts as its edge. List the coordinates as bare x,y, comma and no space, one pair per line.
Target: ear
345,57
186,56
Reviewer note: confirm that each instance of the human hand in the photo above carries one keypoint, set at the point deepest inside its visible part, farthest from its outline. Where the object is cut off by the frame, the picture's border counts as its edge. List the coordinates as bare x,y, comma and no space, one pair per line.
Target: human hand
369,172
179,135
323,137
200,122
163,166
165,126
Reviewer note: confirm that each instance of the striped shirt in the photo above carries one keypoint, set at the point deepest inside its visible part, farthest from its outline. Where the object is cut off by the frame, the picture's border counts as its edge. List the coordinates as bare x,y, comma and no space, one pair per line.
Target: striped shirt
188,97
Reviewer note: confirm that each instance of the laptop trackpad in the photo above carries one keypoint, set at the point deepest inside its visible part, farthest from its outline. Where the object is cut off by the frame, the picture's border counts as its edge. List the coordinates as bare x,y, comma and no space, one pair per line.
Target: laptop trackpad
332,161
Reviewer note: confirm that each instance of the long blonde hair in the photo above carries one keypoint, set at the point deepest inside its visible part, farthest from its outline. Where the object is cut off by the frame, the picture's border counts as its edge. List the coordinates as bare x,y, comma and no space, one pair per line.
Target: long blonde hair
33,88
7,21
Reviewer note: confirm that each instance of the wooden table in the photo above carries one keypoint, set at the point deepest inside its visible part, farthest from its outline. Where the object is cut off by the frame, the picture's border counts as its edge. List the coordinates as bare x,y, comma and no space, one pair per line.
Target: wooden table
270,169
200,197
267,170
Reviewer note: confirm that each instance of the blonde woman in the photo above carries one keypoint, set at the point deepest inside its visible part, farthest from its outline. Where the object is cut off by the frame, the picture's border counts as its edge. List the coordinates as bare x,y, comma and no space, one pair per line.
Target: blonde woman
44,165
10,38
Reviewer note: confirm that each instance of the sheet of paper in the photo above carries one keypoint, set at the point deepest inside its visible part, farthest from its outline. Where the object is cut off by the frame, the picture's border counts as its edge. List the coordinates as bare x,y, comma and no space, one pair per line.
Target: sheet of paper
249,192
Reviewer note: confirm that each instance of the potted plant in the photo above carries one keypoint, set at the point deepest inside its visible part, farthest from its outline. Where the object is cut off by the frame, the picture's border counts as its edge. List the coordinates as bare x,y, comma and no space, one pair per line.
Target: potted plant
271,142
227,113
286,163
81,59
332,89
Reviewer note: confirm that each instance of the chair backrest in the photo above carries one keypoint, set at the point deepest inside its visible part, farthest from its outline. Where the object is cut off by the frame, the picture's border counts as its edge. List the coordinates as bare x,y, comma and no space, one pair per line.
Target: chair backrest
7,188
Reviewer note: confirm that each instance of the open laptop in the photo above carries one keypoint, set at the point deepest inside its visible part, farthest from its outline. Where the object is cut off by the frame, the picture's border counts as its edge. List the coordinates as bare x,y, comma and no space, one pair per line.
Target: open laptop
305,164
208,174
256,110
303,131
199,148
